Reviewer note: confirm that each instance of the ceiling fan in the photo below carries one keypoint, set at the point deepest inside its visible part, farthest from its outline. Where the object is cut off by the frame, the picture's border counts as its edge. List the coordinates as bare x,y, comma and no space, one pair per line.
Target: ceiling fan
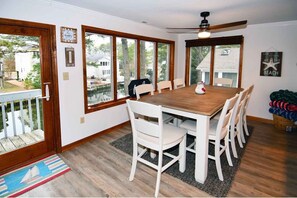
205,28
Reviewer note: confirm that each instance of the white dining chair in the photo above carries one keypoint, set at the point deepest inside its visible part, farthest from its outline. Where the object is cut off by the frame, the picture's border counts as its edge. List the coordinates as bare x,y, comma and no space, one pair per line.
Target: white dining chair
226,82
236,123
218,130
178,83
164,85
156,136
243,113
143,89
148,88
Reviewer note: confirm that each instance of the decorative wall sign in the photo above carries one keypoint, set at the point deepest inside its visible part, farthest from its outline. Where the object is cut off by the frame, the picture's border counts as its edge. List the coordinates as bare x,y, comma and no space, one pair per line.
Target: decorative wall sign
68,35
271,64
69,57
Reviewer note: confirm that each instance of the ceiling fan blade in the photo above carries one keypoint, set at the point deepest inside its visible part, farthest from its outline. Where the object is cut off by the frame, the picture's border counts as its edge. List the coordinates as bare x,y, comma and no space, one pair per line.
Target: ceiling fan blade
227,25
168,28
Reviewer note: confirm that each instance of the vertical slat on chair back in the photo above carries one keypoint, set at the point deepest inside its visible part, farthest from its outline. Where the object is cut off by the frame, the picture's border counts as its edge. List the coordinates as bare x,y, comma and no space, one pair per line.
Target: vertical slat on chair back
164,85
144,88
138,110
225,118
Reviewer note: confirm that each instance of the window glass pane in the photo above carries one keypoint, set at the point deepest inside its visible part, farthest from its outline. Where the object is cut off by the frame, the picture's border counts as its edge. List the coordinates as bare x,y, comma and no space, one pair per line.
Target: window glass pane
126,66
226,62
99,68
147,60
200,64
163,61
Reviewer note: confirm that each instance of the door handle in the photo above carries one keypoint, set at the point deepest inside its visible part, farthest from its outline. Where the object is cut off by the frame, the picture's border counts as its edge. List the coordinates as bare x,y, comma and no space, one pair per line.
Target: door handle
47,94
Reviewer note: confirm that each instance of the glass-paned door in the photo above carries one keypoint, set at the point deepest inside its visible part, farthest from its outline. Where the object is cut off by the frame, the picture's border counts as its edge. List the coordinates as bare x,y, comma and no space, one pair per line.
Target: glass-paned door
26,93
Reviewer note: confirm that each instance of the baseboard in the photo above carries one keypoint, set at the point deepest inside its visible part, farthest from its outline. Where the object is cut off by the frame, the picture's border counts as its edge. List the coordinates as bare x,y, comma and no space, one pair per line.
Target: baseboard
263,120
89,138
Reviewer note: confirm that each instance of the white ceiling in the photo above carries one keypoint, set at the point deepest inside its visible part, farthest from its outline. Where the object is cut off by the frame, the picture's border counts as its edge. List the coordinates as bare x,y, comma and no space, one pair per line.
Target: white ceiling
186,13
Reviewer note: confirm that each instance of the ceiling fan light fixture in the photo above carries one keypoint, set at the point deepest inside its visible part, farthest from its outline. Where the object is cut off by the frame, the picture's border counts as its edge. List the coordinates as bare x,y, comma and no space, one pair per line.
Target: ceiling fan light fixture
204,34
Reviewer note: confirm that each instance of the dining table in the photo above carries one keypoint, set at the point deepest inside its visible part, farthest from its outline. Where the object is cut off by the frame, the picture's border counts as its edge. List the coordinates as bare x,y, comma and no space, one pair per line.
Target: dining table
201,107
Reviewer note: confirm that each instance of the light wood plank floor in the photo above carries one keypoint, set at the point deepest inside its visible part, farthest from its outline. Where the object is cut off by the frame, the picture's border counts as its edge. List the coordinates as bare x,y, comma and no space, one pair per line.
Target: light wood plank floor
268,168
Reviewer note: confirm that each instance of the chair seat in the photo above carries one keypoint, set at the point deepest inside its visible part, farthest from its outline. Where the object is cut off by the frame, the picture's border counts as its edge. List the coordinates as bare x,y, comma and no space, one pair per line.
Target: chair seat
190,125
171,135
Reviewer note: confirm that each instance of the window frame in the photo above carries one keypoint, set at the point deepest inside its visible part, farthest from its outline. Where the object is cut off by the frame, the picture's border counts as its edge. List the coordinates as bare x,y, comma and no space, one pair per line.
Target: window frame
212,42
115,34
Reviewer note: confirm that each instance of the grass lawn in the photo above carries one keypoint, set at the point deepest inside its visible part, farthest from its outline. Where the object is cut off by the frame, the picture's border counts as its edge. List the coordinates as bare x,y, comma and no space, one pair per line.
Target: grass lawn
8,87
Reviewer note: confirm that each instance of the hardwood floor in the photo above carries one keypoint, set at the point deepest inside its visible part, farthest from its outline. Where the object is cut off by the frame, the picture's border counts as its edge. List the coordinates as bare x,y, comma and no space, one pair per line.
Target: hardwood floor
268,168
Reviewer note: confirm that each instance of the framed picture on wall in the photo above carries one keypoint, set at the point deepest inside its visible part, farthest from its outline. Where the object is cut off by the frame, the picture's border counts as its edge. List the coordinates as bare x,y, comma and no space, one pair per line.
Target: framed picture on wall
271,64
69,57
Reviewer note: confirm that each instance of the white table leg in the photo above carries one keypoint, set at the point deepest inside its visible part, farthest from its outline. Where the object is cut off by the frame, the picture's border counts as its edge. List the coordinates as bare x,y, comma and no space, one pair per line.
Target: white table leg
201,156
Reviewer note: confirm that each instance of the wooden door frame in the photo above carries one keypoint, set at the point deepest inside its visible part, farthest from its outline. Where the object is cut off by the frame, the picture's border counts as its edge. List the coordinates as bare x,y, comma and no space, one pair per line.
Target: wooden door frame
57,146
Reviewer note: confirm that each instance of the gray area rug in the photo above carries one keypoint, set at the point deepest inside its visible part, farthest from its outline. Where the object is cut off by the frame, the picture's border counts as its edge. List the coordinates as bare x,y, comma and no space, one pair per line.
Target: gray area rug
213,186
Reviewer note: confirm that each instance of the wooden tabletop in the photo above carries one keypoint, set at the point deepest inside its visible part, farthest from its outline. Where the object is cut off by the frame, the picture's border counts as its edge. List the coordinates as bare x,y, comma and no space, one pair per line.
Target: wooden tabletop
185,99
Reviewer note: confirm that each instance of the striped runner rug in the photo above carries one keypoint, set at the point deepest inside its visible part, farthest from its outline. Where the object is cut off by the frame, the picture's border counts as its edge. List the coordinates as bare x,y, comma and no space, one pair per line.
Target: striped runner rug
19,181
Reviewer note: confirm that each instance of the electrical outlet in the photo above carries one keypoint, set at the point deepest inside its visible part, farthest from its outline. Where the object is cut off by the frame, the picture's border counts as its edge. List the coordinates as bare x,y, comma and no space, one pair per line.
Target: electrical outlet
82,120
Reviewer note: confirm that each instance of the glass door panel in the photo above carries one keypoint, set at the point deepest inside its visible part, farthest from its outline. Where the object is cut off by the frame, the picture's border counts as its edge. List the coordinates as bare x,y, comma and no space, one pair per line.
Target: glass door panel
21,118
226,62
200,64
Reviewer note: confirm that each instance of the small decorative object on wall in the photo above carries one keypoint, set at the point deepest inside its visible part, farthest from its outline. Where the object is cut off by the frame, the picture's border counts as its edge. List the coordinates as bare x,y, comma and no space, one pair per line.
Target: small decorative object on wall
69,57
68,35
271,64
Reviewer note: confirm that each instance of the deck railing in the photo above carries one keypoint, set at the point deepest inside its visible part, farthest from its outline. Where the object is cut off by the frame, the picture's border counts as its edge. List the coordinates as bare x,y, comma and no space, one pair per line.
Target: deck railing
18,99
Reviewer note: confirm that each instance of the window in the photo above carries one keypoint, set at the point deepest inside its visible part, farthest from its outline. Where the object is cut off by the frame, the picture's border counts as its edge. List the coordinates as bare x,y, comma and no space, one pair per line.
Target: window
112,59
163,62
147,60
98,55
126,65
214,58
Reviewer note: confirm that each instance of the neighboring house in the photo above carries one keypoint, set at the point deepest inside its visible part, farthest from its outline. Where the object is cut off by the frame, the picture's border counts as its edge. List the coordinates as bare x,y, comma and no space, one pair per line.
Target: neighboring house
226,64
102,70
24,64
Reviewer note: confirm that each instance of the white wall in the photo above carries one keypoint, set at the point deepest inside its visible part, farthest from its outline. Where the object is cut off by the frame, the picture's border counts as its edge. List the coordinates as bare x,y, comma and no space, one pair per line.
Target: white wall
259,38
71,91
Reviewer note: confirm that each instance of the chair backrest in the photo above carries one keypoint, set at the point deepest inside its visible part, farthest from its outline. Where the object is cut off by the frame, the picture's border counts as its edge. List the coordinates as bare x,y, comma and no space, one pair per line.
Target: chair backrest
225,118
248,96
145,127
178,83
238,107
142,89
164,85
223,82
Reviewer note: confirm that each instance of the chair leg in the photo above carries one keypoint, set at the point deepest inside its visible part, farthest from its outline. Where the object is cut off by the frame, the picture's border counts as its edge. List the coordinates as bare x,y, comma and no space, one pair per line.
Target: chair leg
182,155
134,162
227,151
153,154
160,161
240,128
233,147
245,126
232,139
218,166
239,138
